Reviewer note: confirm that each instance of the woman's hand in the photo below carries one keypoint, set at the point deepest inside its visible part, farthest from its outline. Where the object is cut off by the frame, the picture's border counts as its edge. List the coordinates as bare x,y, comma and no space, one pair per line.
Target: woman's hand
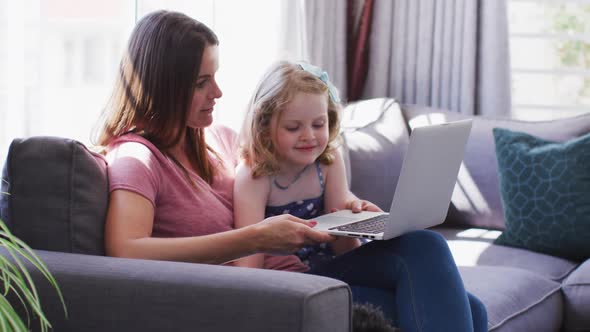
286,234
358,205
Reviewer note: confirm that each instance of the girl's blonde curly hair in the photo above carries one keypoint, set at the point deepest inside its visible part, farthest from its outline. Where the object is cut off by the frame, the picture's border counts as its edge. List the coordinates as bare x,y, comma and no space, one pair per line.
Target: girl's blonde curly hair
276,89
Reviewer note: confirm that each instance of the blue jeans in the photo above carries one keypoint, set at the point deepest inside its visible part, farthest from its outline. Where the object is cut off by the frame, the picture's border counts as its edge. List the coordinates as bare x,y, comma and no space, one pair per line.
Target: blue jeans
415,281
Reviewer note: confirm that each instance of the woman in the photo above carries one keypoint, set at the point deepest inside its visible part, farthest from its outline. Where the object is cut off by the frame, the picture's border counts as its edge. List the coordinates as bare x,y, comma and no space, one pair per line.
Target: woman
171,178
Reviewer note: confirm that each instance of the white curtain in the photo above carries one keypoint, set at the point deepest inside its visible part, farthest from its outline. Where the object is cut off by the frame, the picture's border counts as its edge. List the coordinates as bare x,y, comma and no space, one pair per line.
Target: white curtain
293,34
325,31
451,54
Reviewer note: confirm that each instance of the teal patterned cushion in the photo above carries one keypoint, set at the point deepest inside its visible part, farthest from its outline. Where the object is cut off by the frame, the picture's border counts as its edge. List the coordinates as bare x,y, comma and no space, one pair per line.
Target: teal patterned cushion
545,191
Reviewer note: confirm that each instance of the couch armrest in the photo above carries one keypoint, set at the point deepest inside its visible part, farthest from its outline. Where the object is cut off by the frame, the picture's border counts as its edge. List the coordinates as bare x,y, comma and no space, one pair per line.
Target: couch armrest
116,294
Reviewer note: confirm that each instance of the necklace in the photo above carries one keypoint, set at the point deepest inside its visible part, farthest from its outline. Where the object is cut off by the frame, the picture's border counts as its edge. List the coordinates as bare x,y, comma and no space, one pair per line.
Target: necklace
278,185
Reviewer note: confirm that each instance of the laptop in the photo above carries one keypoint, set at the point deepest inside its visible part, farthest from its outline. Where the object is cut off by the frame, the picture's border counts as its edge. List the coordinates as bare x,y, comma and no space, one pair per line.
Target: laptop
424,188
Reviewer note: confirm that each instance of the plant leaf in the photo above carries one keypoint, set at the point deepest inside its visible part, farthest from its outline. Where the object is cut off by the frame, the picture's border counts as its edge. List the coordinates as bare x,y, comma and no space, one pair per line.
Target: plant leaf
7,277
14,251
11,320
17,278
3,192
22,289
30,255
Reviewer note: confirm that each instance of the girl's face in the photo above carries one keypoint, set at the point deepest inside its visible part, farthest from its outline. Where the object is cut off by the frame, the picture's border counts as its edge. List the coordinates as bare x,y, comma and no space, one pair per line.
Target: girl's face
206,90
300,132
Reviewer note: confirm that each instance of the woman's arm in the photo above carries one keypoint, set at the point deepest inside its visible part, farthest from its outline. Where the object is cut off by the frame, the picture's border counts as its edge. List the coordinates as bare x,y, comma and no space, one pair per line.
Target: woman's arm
250,197
130,221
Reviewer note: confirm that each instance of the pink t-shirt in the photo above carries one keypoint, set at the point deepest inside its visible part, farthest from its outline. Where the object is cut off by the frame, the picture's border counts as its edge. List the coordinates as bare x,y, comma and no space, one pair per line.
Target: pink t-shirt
180,209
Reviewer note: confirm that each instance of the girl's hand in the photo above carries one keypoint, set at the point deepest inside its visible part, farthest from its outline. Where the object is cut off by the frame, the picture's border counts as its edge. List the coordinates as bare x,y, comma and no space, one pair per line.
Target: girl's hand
286,234
359,205
344,244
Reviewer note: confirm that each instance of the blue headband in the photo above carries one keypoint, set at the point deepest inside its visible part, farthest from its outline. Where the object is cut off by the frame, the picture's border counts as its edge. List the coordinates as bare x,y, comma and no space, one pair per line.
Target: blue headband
323,76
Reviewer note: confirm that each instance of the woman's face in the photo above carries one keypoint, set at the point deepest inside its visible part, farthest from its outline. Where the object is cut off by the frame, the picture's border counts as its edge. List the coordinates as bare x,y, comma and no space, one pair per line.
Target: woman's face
206,90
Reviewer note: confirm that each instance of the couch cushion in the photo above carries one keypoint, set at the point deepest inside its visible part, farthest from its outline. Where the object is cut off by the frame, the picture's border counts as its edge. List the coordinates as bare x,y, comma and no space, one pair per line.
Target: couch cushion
476,201
377,138
474,247
515,299
545,191
58,195
576,290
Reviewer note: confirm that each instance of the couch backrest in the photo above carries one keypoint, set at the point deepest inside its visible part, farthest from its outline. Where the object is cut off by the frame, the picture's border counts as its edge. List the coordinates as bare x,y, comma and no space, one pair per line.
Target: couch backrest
376,149
58,195
376,140
476,200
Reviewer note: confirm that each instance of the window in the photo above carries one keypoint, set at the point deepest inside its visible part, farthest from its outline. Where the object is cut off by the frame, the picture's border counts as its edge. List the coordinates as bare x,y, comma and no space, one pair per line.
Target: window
57,68
550,55
59,58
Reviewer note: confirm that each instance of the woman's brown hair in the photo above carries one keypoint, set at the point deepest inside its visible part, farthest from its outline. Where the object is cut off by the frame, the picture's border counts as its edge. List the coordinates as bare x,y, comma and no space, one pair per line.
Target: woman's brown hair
276,89
155,85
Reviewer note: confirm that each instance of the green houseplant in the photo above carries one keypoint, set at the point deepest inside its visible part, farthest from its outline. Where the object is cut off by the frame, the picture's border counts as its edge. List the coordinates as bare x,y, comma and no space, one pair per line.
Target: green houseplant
16,280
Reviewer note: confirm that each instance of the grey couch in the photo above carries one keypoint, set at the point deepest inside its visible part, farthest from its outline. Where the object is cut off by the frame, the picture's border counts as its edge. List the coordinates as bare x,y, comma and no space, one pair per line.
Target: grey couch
58,201
522,290
57,204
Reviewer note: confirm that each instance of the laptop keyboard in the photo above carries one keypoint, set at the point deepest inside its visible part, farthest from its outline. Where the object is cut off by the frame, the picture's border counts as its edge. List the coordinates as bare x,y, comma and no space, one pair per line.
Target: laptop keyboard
373,225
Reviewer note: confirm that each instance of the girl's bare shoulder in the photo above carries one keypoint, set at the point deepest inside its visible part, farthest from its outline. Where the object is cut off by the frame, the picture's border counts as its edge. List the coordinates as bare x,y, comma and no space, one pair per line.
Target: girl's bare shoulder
244,177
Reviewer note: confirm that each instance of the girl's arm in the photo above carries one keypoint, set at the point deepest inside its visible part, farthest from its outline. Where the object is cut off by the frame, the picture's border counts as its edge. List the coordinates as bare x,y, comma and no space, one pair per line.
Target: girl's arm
130,221
250,197
338,197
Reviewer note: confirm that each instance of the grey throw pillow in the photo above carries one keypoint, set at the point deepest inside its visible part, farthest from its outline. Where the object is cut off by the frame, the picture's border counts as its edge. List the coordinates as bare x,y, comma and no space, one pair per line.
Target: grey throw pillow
58,195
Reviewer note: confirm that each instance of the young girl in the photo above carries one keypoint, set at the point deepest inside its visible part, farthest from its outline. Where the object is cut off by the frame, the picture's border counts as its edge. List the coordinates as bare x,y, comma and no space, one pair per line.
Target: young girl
291,164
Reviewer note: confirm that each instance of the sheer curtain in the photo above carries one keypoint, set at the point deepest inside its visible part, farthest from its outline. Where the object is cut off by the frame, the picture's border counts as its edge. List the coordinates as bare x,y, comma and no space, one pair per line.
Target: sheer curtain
451,54
58,58
325,31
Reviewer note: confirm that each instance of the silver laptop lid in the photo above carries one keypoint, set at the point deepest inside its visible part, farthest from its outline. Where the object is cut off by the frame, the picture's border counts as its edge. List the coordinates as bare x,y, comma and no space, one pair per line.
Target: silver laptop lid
427,177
